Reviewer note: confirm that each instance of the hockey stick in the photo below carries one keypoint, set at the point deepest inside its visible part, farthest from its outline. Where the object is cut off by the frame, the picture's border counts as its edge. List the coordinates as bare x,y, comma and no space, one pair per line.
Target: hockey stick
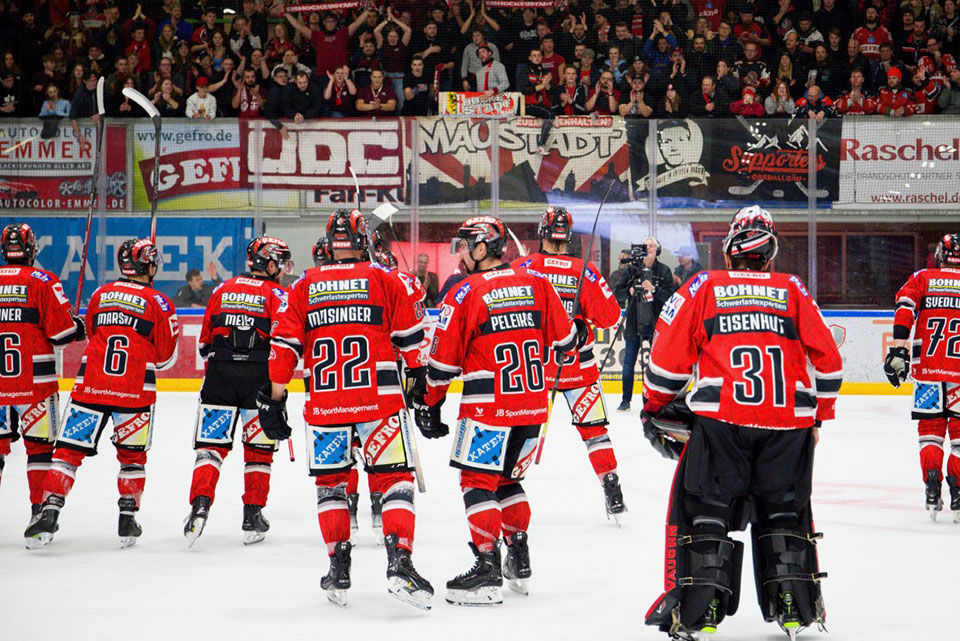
151,110
573,314
616,337
409,441
520,248
94,191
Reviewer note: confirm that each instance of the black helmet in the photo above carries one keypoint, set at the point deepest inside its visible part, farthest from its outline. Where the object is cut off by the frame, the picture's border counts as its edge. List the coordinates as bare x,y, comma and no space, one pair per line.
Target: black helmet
135,257
487,230
948,250
260,251
752,235
19,244
556,224
347,229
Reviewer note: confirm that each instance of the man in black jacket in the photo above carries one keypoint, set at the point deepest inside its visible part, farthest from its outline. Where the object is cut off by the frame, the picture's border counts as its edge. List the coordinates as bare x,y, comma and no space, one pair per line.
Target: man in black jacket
301,99
648,284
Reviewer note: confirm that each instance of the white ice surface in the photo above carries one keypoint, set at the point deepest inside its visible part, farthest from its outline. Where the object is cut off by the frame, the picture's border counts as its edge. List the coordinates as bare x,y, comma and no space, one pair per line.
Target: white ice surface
892,571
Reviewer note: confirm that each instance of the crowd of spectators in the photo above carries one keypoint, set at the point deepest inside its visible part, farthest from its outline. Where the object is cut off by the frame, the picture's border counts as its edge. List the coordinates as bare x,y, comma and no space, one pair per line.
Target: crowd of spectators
636,58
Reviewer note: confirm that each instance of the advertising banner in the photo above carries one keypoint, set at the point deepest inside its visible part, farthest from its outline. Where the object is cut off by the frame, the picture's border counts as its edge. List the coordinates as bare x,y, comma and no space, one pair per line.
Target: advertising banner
478,105
43,171
721,162
185,243
319,155
912,162
582,156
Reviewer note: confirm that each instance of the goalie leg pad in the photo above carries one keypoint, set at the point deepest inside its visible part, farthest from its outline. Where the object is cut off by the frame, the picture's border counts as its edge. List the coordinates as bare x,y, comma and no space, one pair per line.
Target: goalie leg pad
215,426
785,558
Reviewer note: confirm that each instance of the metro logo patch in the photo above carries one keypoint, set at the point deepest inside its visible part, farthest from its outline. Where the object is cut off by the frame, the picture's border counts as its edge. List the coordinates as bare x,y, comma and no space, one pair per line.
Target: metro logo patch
698,280
162,302
462,293
799,283
39,275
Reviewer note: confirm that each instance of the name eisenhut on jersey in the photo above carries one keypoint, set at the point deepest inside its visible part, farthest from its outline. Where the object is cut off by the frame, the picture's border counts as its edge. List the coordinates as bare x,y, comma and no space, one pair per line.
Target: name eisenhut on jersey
742,295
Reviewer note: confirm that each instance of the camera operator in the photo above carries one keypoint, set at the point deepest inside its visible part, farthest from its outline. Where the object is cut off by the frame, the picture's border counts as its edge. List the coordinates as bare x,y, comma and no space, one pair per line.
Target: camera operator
648,284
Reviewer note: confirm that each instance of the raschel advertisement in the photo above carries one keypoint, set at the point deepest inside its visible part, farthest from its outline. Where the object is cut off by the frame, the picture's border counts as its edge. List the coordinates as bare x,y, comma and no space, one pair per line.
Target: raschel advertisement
185,243
582,156
38,172
911,162
727,161
318,156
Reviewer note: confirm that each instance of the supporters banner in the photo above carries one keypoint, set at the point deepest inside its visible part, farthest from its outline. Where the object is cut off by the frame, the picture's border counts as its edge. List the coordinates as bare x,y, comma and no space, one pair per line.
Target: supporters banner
522,4
185,243
582,156
722,162
318,156
43,165
476,104
333,5
907,162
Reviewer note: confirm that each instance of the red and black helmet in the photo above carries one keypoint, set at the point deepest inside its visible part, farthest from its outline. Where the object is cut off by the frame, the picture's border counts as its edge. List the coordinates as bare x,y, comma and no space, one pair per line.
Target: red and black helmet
19,244
347,229
948,250
321,252
262,250
556,224
752,235
484,229
135,257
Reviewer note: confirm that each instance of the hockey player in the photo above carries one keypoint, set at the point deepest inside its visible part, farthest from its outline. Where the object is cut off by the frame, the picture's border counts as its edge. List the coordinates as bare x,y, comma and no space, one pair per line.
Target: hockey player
133,331
580,380
929,302
35,316
495,329
766,372
235,342
345,319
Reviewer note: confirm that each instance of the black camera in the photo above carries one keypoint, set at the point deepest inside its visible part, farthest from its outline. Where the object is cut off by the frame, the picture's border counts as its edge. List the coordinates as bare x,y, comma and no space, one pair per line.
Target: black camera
637,254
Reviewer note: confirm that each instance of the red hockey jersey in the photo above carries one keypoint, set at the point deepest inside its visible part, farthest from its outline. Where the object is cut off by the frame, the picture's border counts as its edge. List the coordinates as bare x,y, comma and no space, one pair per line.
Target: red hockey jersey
889,100
345,320
871,39
133,331
34,316
239,317
929,302
847,105
597,306
497,329
756,345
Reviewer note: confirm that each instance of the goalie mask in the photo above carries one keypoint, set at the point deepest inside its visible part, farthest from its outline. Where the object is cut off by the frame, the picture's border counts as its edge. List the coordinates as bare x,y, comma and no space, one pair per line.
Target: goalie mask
752,235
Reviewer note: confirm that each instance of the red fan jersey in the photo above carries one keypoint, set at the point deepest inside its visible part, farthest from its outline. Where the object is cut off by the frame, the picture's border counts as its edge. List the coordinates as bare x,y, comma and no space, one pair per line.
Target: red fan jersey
597,306
712,10
890,100
345,320
871,39
926,97
133,331
930,303
239,317
496,329
756,345
864,105
34,316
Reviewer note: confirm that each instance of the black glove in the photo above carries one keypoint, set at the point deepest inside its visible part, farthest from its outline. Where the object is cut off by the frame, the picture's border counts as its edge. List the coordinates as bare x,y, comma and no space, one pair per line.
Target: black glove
583,331
897,365
273,414
427,417
414,383
81,329
663,442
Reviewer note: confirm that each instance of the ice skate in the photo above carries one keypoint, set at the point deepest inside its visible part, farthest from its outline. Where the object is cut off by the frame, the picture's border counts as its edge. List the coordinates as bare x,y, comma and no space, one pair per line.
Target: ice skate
199,513
516,565
254,526
480,585
679,632
954,486
42,527
352,502
376,515
127,527
403,581
613,497
788,619
934,500
337,581
35,510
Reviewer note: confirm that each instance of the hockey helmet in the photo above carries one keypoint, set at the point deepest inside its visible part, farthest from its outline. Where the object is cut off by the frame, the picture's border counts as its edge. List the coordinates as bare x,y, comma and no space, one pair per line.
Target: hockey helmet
347,229
262,250
18,244
136,256
948,250
556,224
484,229
752,235
321,252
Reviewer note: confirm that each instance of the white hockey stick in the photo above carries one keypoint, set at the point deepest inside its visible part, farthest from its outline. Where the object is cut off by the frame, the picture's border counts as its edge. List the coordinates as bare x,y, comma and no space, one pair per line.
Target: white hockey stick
151,110
94,190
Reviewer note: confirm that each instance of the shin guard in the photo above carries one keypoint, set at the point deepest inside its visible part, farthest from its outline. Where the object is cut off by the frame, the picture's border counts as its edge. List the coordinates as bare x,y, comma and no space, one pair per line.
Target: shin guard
514,509
206,472
256,475
133,474
399,513
931,433
332,513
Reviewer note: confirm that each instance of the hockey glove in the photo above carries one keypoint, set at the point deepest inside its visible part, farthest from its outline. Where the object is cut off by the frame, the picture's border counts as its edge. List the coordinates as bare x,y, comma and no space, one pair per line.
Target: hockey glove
428,418
81,332
414,384
583,332
273,414
662,441
897,365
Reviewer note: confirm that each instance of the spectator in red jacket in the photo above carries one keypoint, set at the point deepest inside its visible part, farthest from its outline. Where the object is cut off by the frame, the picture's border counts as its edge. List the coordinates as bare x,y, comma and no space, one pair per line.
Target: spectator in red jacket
894,99
748,106
856,101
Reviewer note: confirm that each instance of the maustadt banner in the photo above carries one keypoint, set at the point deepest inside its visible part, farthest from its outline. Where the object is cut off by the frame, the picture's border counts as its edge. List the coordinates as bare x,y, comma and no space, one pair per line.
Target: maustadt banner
713,162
